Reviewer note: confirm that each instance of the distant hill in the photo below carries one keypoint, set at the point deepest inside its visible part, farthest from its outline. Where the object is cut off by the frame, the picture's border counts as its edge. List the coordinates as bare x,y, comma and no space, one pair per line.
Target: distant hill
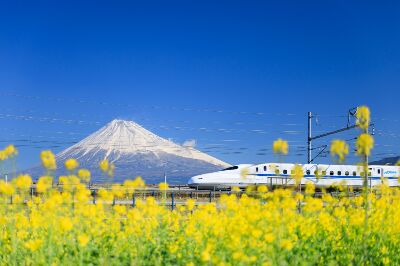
387,161
135,151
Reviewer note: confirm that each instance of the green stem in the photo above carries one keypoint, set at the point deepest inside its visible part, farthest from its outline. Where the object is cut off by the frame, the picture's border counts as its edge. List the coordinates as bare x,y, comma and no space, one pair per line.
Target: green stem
366,206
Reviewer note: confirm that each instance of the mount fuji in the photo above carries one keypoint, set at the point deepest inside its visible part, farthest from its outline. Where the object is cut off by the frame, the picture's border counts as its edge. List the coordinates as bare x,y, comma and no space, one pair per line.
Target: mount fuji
136,151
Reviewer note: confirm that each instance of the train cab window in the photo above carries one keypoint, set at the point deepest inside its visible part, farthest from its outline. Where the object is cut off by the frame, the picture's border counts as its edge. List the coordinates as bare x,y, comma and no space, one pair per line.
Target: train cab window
331,173
308,172
339,172
231,168
347,173
256,169
285,172
354,173
265,168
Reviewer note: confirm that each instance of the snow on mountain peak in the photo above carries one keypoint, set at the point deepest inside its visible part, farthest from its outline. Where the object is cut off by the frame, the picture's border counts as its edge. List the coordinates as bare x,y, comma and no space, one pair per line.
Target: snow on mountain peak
126,137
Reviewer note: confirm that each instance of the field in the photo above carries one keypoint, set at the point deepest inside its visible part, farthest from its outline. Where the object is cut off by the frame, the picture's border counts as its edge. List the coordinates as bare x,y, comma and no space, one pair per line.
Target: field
66,225
267,228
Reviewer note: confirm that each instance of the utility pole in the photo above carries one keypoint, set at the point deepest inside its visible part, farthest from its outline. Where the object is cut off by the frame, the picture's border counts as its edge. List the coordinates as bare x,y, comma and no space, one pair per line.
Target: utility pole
309,139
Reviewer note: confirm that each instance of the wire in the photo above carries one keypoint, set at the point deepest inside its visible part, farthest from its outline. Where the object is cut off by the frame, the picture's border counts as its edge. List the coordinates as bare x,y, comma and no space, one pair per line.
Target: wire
105,103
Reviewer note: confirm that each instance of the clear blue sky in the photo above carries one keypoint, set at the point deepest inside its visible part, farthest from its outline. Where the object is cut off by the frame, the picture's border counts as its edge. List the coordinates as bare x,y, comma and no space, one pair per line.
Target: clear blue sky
233,75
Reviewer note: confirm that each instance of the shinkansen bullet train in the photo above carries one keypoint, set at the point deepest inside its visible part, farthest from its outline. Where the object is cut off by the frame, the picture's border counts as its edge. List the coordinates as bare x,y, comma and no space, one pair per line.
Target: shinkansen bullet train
279,174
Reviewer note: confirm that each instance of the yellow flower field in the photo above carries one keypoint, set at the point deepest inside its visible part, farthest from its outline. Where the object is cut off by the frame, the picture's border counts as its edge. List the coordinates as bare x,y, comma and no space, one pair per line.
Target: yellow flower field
266,228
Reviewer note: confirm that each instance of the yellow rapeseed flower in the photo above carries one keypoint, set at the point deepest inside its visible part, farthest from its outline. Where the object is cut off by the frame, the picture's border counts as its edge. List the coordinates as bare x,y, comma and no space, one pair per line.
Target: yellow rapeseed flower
163,186
280,146
23,182
117,190
33,244
364,144
131,185
262,189
48,160
105,195
297,173
205,255
269,238
83,240
340,149
139,182
250,189
386,261
69,183
235,189
63,180
3,155
363,117
104,165
190,203
71,164
84,175
286,244
82,194
310,188
66,224
107,167
11,151
6,188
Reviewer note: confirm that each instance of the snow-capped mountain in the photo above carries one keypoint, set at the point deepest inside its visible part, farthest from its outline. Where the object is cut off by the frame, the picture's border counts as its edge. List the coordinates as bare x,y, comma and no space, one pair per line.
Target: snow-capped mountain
136,151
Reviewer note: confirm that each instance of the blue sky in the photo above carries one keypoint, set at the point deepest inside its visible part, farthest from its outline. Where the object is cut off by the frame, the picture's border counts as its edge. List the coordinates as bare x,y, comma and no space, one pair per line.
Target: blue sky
233,75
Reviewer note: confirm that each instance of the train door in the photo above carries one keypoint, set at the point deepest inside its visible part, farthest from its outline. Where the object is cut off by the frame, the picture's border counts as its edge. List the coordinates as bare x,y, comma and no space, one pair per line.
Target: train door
260,175
377,172
380,172
370,174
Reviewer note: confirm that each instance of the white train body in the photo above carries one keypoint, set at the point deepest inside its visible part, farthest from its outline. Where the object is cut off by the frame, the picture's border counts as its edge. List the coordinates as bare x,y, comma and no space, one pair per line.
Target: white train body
322,175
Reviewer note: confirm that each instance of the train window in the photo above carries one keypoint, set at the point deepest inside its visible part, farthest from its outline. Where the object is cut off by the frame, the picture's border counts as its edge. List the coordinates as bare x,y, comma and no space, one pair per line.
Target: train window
354,173
292,172
324,173
308,172
285,172
265,168
315,172
331,173
256,169
379,171
362,174
347,173
369,174
339,172
277,171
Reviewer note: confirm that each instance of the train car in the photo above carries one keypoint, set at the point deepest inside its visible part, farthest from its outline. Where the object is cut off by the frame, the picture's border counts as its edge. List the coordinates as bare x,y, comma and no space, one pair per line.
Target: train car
279,174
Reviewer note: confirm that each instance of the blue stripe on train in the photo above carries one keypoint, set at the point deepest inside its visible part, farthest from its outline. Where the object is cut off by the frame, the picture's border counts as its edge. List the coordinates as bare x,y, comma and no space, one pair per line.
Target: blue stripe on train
330,176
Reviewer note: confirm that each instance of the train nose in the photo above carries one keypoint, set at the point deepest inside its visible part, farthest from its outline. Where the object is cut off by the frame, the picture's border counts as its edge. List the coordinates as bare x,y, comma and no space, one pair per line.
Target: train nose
195,180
